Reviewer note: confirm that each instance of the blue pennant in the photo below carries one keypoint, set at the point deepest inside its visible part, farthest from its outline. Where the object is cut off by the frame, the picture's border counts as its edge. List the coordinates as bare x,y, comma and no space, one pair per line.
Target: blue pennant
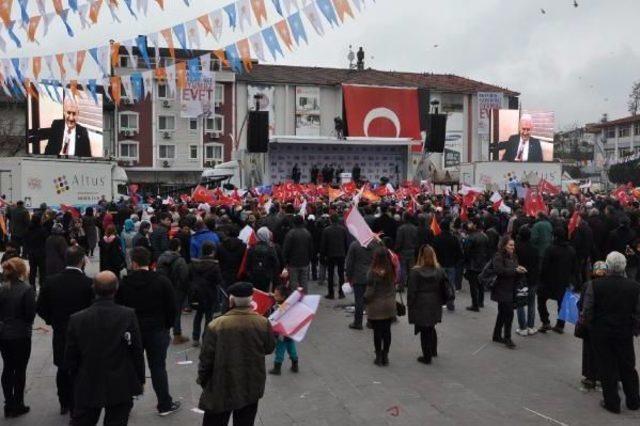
272,42
233,57
328,11
231,11
181,35
136,83
141,42
297,28
93,88
193,66
276,4
12,35
128,3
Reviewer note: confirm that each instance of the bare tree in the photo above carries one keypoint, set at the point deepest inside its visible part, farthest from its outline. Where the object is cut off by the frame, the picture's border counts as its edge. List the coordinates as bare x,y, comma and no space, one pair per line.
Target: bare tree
634,98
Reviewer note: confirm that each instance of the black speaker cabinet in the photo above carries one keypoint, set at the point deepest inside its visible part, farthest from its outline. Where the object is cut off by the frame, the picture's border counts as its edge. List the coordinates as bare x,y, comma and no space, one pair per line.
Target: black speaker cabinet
437,133
258,131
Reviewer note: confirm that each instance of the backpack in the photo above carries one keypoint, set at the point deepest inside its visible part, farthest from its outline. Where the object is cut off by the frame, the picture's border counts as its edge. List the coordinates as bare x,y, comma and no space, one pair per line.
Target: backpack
261,261
488,276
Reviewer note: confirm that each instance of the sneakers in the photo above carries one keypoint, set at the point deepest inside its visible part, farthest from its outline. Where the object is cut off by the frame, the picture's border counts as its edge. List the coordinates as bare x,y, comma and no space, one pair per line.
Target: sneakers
544,328
532,331
522,332
175,406
179,339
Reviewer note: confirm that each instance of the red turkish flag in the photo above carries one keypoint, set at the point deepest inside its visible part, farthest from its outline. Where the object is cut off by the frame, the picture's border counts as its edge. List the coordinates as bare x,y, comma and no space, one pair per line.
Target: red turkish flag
382,112
574,222
534,203
261,302
546,186
202,195
435,227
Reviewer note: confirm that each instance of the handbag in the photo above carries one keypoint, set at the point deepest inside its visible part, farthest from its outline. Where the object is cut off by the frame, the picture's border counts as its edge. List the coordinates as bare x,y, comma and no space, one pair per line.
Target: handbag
401,308
488,276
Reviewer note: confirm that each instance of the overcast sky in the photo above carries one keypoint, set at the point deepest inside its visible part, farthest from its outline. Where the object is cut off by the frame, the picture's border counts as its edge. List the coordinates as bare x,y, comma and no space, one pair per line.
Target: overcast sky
580,62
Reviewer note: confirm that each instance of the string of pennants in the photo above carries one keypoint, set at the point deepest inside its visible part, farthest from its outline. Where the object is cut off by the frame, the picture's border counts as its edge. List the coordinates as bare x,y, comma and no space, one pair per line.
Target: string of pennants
63,70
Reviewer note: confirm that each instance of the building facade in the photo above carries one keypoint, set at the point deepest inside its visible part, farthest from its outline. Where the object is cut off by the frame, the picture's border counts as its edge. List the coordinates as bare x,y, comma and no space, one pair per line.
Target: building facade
618,138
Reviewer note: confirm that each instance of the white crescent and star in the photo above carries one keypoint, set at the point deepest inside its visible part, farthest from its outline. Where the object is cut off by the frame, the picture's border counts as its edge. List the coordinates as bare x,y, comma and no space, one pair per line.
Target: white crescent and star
381,113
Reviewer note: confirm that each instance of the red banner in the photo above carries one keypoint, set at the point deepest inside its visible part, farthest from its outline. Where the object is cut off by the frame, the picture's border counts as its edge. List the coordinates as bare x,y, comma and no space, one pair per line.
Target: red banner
382,112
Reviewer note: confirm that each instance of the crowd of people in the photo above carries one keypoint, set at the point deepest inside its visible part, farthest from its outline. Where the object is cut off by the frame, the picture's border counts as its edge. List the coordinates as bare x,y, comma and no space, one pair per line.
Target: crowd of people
160,261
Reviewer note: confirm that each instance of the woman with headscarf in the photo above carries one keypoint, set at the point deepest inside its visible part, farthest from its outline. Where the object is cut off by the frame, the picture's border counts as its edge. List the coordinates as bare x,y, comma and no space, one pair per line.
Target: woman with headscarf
126,237
111,253
262,265
90,230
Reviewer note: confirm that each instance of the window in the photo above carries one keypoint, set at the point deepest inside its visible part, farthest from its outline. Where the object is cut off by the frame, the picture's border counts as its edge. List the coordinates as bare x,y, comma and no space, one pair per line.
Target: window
636,129
193,124
610,133
623,132
166,152
215,65
168,62
219,94
129,150
214,124
193,152
124,61
166,122
128,121
213,152
163,91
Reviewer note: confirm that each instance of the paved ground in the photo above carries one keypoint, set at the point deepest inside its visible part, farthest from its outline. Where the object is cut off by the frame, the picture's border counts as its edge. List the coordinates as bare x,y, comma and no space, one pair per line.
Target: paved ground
472,381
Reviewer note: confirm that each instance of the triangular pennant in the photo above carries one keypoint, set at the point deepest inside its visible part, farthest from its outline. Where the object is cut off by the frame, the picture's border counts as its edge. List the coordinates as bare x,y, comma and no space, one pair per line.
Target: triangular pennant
245,53
5,11
233,58
148,83
24,15
73,87
125,82
243,8
71,58
278,7
113,5
297,28
141,43
116,88
222,57
343,9
160,3
358,4
128,4
326,7
115,54
34,21
64,16
25,67
13,35
3,44
60,59
259,10
106,84
128,45
285,34
230,9
94,10
290,5
216,24
46,20
57,6
312,14
48,60
168,37
36,66
205,62
153,37
171,80
181,75
257,45
271,40
97,53
136,83
181,35
143,6
93,89
193,33
16,68
206,24
83,10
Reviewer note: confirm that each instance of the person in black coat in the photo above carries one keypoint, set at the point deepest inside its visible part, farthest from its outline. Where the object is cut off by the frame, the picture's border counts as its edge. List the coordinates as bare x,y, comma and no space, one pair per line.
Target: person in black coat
64,294
385,224
599,231
34,246
111,254
528,257
152,297
559,272
104,354
427,290
333,251
508,272
476,256
582,242
17,312
263,264
206,280
449,253
55,247
230,254
611,312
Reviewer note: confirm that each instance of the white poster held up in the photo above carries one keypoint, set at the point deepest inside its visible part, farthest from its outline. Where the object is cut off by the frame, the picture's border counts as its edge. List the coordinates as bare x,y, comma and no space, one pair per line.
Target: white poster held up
293,318
197,99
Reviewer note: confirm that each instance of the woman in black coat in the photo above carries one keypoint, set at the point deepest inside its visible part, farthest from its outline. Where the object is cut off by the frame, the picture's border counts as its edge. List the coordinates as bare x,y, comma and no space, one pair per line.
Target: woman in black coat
559,272
528,257
206,279
111,254
34,244
17,312
505,265
55,250
427,290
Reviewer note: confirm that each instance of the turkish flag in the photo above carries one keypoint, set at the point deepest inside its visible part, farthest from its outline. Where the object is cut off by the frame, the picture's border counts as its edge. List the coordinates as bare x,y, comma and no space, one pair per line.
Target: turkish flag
574,223
534,203
202,195
382,112
546,186
261,302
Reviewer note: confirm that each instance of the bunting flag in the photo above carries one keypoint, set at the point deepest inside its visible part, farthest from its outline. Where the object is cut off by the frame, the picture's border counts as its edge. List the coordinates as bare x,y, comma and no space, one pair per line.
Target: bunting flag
358,4
129,6
290,5
64,16
5,11
181,35
193,34
125,83
93,89
3,45
12,35
36,66
33,27
206,24
168,37
46,20
233,57
343,9
245,53
116,88
311,12
112,5
193,69
63,71
259,10
148,83
181,75
171,80
71,59
328,11
94,10
278,7
219,53
137,86
115,54
257,46
271,40
243,8
141,43
128,45
285,35
23,11
73,87
297,28
230,9
216,24
160,3
57,5
153,38
82,14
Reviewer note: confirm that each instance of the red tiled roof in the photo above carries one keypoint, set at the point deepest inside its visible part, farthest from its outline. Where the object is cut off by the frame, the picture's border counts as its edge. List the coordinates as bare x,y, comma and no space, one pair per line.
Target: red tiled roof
285,74
597,127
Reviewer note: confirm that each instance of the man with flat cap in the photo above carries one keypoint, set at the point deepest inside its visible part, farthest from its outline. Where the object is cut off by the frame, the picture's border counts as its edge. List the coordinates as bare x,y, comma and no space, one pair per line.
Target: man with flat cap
232,369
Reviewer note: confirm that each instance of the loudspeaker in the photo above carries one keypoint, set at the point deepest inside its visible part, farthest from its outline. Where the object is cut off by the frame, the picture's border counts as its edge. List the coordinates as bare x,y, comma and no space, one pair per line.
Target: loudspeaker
437,133
258,131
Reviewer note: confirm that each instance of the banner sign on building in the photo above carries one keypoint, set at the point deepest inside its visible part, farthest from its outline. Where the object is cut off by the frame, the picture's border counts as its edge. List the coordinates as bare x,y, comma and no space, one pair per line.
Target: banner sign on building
486,102
266,96
453,141
307,111
197,99
382,112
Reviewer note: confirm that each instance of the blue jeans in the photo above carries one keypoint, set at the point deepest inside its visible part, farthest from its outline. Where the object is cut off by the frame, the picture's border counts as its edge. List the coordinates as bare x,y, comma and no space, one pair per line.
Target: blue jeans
451,275
528,320
155,344
288,345
197,321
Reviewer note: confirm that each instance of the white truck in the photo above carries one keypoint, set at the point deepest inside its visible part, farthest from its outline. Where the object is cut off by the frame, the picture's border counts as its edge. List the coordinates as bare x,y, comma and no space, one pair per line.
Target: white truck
76,182
499,174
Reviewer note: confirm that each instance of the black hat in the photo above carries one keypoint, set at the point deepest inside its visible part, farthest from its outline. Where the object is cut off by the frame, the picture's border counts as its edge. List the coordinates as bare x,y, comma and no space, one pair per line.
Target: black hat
241,289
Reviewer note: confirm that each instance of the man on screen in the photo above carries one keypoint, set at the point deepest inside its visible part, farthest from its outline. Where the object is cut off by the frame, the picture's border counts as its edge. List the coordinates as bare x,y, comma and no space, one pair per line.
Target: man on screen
67,137
523,148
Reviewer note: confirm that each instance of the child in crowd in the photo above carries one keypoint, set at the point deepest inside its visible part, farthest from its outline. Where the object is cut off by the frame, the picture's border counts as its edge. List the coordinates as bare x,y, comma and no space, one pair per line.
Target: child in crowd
280,294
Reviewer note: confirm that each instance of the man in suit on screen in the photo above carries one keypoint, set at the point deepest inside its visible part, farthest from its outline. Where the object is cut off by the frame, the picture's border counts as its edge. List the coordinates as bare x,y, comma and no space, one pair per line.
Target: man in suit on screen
67,137
522,147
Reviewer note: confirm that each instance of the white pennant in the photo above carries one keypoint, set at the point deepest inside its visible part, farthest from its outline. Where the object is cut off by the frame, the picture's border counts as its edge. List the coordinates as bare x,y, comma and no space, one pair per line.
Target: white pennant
205,61
243,8
42,10
25,68
128,45
216,24
106,84
143,5
46,20
290,5
48,59
125,80
148,82
358,4
257,45
83,9
104,55
5,90
112,10
193,33
312,14
3,44
153,38
71,58
171,80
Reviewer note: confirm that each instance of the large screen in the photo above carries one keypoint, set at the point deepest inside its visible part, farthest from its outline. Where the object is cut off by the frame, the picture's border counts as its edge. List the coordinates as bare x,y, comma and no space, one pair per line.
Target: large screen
525,136
63,125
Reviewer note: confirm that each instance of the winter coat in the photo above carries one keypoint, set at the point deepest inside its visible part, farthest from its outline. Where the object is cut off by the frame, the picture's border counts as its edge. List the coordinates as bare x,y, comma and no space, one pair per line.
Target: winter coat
507,278
426,293
380,297
541,236
262,266
448,249
35,240
358,262
18,221
173,266
199,238
159,240
582,241
90,231
140,240
55,252
559,270
528,257
297,249
17,310
407,240
111,255
230,255
127,245
387,225
333,242
205,279
476,251
232,366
